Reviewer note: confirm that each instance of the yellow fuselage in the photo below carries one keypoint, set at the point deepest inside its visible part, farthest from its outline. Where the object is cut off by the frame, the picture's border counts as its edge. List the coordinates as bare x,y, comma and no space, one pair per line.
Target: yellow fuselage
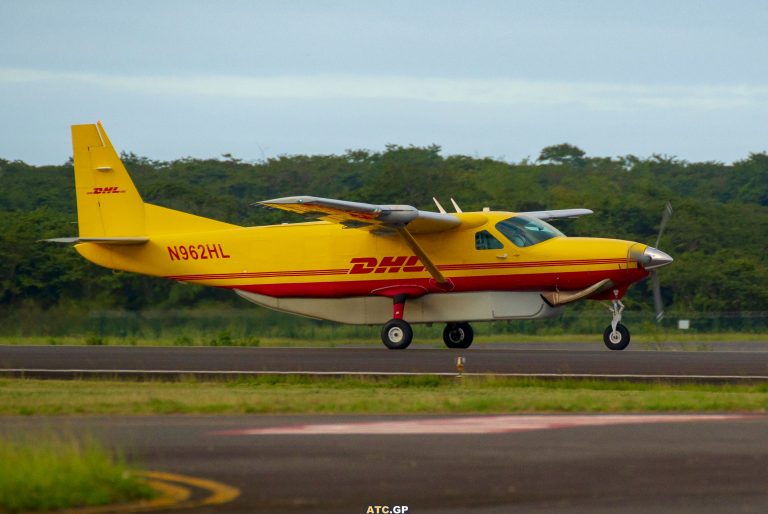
321,259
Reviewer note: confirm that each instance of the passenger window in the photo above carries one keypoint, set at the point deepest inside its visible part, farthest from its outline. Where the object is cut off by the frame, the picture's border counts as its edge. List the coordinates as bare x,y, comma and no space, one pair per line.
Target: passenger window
485,241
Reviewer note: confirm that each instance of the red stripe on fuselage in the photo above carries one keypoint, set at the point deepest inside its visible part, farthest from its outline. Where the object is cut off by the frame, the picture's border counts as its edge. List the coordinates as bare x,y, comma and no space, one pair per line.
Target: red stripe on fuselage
574,280
260,274
442,267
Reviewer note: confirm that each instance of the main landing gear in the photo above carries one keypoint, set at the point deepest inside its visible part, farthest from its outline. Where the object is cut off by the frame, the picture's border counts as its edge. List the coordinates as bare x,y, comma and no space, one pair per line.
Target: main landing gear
397,334
458,335
616,335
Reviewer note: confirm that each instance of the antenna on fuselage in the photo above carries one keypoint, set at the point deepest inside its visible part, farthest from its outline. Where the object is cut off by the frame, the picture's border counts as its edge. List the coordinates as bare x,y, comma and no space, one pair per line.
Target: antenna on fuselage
456,206
439,207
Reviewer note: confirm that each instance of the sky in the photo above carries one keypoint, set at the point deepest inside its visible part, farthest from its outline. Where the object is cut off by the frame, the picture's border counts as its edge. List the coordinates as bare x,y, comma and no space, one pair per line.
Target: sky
500,79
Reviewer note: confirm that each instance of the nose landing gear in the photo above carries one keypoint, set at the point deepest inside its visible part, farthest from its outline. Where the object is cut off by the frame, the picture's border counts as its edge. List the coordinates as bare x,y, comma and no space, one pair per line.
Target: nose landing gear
616,335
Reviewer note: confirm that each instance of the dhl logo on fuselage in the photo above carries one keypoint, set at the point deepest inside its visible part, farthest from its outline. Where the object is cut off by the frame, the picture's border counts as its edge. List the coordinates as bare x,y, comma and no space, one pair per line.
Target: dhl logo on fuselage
363,265
105,190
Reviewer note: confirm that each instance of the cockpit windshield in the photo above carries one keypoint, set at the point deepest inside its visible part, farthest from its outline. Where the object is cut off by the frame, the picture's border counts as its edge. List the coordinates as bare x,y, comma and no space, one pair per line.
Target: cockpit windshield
525,230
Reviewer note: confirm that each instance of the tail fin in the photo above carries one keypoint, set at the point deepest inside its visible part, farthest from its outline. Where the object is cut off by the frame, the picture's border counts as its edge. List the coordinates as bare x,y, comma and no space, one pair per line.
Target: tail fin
108,203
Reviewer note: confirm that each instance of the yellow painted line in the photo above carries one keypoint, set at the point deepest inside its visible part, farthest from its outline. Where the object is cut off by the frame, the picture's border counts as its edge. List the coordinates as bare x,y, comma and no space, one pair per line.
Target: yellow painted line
175,492
222,493
171,494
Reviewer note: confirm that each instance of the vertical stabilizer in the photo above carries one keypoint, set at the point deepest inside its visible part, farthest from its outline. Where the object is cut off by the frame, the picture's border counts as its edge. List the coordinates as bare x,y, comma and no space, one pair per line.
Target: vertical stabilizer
108,204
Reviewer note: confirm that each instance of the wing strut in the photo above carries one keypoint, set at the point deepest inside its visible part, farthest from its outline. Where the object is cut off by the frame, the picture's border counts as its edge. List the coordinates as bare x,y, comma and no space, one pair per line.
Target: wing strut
425,260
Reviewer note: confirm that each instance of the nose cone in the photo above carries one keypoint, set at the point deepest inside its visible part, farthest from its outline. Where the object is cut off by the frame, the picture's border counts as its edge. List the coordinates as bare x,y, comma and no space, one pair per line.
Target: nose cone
654,259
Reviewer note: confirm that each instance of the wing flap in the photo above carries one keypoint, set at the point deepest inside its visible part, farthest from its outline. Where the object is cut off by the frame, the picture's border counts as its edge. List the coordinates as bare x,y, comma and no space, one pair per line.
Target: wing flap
365,215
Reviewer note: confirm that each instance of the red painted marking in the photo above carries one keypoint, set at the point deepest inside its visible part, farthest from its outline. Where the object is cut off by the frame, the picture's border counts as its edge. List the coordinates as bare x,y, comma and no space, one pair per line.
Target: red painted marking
391,264
573,280
477,425
362,265
530,264
366,265
393,291
259,274
413,266
398,309
105,190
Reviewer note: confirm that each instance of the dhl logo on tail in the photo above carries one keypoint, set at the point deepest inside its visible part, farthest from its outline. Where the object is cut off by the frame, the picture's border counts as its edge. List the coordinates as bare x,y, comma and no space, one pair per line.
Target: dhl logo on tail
105,190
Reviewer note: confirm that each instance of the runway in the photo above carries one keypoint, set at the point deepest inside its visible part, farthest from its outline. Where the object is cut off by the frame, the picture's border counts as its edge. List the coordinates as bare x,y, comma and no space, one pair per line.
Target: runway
158,362
432,464
333,464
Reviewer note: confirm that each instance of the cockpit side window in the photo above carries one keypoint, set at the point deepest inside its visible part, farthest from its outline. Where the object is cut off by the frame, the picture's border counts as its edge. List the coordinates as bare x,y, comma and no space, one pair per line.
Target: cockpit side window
484,240
527,231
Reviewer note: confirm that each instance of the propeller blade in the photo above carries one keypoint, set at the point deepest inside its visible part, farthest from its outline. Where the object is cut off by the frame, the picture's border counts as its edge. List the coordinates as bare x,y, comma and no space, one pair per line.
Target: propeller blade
657,302
664,220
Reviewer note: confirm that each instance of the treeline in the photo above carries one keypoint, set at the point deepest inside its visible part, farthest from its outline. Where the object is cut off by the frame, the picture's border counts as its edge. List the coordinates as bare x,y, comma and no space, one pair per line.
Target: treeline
718,234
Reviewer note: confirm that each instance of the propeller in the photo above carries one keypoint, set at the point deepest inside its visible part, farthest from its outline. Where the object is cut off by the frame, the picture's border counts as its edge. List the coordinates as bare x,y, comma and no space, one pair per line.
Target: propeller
658,305
664,220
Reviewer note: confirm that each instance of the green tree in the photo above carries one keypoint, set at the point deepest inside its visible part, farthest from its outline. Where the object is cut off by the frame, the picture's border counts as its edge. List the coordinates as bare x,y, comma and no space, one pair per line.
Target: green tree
563,154
718,234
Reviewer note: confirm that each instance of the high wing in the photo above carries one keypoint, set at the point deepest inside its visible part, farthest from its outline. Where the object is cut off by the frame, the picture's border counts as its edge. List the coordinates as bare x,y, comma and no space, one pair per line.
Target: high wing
558,213
383,219
402,220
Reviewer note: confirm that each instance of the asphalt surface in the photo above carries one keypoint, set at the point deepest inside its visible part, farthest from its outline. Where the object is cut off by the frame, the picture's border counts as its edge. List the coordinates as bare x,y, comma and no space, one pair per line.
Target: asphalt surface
52,361
696,467
693,466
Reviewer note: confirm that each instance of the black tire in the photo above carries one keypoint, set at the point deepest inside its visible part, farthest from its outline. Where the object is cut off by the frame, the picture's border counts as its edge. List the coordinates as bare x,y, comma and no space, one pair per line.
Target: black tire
396,334
618,341
458,335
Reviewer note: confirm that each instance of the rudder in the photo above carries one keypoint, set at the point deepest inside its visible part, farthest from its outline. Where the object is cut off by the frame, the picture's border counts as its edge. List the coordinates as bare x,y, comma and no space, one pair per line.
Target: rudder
108,203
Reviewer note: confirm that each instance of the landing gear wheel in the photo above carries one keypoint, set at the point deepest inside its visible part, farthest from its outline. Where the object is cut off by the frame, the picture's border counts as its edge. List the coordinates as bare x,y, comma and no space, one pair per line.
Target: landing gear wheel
617,340
458,335
396,334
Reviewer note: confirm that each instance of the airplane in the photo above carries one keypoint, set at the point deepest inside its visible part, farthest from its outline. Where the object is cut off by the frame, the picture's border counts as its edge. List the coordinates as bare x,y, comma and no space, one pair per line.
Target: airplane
360,263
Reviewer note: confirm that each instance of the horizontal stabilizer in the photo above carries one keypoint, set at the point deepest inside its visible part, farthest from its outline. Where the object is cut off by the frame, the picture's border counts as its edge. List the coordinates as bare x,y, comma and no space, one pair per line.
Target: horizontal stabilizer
558,213
100,240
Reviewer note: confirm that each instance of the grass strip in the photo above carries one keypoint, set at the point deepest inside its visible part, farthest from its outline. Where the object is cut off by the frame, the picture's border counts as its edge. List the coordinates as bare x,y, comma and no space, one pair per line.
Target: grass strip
353,395
47,471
